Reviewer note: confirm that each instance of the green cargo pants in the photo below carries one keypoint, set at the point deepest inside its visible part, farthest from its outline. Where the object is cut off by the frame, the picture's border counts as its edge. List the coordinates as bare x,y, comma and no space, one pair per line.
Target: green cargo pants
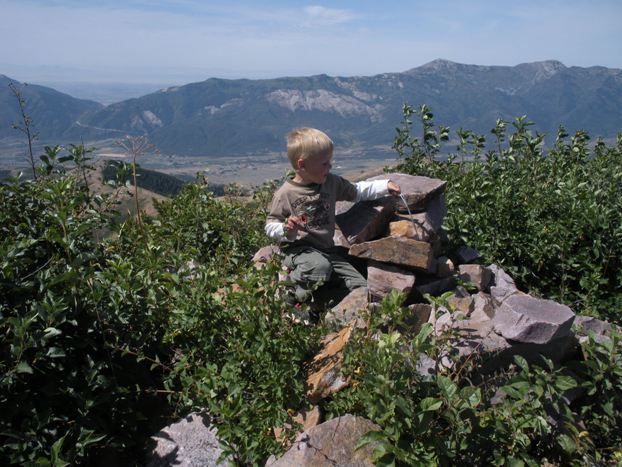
325,276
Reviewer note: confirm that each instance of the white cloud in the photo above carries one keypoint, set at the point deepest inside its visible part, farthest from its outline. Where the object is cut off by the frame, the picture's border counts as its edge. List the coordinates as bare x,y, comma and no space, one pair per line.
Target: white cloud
317,15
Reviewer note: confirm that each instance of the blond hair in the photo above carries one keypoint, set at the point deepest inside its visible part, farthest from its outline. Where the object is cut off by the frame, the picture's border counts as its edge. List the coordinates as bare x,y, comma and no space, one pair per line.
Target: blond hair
305,143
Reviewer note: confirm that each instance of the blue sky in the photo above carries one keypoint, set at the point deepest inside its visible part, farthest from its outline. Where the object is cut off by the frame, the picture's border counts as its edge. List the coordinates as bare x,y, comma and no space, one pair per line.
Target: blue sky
176,42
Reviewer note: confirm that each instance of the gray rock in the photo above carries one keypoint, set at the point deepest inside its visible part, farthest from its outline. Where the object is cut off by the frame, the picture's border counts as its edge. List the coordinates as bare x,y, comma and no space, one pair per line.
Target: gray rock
365,220
417,191
527,319
349,309
587,323
483,309
478,342
425,366
398,250
584,325
331,443
382,278
190,442
503,287
478,275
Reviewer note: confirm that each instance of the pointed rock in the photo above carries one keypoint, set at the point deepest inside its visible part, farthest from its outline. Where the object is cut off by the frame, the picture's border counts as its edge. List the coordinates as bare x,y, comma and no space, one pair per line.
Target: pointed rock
477,274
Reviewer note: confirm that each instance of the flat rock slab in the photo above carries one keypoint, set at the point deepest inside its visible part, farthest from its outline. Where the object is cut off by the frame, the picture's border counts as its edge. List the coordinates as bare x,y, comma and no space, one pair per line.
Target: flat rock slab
416,190
398,250
382,278
190,442
331,443
365,220
523,318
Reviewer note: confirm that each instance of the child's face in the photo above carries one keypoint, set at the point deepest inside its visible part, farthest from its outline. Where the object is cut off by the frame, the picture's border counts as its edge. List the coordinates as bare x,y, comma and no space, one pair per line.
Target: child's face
315,169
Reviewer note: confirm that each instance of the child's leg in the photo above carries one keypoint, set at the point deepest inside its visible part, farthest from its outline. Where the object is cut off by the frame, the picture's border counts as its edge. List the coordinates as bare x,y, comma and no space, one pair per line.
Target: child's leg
308,268
347,273
344,279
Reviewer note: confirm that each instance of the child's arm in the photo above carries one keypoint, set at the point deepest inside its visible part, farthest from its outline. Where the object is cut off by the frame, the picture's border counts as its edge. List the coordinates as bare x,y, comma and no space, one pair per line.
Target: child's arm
376,189
285,231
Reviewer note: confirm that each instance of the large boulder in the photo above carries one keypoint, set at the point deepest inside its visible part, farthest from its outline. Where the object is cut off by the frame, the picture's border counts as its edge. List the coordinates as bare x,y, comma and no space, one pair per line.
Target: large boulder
190,442
523,318
329,444
478,342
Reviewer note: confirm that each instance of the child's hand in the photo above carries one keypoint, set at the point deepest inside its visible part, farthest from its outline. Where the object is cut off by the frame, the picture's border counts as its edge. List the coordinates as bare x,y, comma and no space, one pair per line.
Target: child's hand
292,224
394,188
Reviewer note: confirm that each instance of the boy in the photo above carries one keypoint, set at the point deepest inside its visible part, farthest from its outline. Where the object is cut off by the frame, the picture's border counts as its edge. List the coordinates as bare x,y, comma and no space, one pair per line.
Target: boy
302,219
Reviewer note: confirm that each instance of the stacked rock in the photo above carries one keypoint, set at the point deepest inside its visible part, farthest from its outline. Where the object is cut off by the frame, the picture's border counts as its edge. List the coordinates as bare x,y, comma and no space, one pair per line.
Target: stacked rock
401,239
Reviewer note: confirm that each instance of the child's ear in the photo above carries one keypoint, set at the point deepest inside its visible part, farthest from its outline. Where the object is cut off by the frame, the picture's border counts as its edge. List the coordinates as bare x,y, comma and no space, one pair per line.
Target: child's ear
300,163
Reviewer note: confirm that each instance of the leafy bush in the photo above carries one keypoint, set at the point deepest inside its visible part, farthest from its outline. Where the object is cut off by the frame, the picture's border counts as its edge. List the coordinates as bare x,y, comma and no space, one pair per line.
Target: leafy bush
551,217
66,315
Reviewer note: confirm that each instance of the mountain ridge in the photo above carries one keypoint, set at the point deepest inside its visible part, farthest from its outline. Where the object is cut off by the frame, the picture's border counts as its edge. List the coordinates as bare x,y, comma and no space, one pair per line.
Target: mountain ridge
220,116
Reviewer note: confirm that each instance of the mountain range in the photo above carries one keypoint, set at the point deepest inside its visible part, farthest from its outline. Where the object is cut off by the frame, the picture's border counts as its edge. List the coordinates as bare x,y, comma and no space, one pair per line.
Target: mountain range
242,116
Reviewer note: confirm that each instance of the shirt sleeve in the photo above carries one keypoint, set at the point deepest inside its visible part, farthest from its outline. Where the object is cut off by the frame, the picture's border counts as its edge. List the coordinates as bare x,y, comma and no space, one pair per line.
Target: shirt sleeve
276,217
275,230
370,190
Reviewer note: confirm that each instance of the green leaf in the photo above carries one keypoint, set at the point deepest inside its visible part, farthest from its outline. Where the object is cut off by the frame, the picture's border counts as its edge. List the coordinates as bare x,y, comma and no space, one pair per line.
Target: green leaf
23,367
56,352
430,404
448,388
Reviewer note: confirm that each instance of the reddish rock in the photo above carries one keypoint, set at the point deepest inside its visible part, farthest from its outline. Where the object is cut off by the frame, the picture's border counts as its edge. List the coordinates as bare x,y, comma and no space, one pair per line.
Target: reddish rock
398,250
324,371
382,278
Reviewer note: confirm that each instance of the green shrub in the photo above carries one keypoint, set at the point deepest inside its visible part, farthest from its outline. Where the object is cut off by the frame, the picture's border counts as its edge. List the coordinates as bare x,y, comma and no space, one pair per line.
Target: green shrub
551,217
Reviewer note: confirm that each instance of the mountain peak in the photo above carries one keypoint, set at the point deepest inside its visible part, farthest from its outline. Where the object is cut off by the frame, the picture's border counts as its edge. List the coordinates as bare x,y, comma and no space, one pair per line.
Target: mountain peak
543,70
